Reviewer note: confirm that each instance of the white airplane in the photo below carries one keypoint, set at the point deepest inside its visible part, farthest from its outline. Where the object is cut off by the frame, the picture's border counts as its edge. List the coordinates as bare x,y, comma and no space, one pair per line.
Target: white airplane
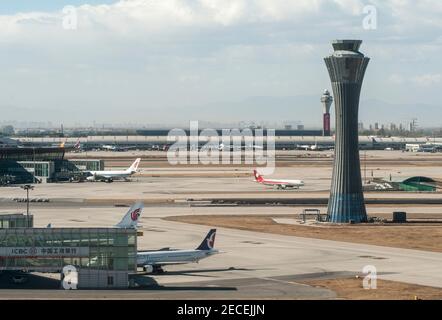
234,147
230,147
153,261
109,176
76,147
130,219
313,147
109,147
280,184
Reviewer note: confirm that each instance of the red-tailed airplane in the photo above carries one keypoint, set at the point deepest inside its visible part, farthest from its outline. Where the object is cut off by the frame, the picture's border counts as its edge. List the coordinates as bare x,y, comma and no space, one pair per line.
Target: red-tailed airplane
280,184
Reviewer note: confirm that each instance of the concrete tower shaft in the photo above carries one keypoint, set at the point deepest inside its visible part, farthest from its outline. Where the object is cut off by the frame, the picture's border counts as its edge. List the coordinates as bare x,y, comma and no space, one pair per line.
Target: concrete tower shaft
326,100
346,67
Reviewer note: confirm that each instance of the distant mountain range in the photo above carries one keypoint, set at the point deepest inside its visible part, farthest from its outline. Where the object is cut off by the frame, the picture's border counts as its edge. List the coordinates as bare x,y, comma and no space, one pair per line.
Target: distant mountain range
372,110
308,110
305,109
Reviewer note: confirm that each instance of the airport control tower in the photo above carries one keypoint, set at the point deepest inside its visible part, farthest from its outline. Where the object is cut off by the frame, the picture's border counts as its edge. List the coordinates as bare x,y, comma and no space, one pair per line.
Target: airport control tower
326,100
346,67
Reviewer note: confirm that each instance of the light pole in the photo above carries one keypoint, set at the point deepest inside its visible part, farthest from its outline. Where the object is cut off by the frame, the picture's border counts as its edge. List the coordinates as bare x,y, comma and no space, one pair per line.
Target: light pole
33,161
365,166
27,187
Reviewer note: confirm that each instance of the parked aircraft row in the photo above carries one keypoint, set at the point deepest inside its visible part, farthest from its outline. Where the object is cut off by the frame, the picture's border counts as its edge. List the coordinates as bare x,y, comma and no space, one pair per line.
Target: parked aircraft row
111,175
208,147
230,147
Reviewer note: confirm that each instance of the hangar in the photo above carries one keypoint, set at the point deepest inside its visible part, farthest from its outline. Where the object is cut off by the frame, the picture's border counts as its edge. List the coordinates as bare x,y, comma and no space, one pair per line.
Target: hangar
413,184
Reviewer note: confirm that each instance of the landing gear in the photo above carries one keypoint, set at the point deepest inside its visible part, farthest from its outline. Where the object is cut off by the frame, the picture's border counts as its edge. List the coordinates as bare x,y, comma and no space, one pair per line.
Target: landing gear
158,270
150,269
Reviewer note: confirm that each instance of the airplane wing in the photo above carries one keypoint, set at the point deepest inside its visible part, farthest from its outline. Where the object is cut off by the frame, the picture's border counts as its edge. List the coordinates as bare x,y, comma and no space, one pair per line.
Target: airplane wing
167,263
104,176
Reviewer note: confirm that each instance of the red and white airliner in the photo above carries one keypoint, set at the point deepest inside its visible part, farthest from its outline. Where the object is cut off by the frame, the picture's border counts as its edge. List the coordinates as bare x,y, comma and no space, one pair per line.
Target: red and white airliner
280,184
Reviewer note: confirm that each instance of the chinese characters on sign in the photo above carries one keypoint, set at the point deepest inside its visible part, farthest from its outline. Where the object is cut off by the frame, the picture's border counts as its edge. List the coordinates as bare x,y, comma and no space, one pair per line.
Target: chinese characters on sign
44,251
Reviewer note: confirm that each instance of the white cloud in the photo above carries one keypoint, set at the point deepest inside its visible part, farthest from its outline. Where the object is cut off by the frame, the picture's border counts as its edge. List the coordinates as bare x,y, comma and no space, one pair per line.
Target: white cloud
424,80
411,12
156,15
396,79
134,53
427,79
132,17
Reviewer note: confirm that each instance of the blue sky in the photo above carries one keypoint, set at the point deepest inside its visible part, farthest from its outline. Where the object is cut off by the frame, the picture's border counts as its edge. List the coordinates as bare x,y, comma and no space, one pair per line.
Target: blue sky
14,6
170,61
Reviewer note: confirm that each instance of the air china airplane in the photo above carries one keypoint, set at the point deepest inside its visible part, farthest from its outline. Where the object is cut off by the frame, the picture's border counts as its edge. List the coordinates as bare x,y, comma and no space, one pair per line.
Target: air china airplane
280,184
130,219
153,261
109,176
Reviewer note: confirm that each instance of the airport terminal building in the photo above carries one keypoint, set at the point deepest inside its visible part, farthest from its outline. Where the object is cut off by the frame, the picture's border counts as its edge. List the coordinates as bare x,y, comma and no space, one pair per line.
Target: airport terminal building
42,164
284,140
102,257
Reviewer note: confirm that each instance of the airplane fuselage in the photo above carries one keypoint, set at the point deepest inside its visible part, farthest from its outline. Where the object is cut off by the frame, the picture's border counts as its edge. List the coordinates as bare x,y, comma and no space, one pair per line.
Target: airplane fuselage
283,183
172,257
115,173
123,174
107,175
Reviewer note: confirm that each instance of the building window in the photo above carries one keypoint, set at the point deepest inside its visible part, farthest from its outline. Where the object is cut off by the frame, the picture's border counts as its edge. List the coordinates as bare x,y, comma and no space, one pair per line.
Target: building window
110,280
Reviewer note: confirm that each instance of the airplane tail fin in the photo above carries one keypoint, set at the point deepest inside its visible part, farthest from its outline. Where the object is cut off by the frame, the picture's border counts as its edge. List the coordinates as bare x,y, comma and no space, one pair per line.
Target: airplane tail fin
209,241
130,219
258,177
134,166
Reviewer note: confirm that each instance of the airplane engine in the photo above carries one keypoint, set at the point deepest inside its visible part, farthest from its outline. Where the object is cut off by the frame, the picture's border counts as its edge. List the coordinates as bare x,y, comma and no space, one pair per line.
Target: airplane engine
148,268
